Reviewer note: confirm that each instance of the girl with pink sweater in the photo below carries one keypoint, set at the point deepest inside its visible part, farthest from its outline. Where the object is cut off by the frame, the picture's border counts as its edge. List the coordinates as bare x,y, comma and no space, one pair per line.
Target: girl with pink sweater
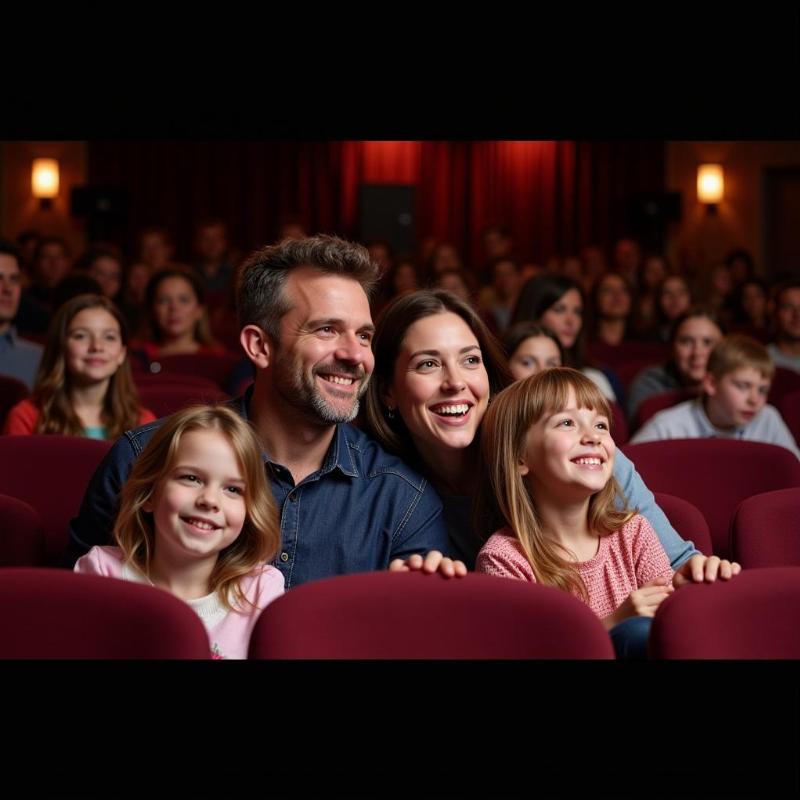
549,456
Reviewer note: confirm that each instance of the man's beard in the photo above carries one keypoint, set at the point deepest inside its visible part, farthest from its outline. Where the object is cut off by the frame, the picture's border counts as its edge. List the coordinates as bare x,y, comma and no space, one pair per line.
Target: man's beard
300,389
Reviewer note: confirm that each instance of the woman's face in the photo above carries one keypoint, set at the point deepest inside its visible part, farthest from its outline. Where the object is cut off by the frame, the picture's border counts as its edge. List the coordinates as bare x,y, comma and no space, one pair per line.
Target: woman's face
176,308
613,298
754,301
694,341
440,386
565,317
654,271
533,355
675,298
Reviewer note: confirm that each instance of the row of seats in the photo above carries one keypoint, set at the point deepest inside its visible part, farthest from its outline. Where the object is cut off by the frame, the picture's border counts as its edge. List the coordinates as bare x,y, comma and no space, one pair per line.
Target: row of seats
381,615
765,530
699,483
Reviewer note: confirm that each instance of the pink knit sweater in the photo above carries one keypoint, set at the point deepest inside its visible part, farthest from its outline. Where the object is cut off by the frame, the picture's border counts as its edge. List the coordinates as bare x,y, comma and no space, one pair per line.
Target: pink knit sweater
625,561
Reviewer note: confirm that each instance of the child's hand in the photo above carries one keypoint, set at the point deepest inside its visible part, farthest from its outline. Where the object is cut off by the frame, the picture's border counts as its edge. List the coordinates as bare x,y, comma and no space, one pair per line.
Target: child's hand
434,561
641,602
701,568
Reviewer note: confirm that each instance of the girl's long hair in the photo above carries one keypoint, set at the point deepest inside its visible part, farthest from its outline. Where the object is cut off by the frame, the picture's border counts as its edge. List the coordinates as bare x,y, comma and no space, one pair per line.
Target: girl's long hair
259,540
506,497
51,394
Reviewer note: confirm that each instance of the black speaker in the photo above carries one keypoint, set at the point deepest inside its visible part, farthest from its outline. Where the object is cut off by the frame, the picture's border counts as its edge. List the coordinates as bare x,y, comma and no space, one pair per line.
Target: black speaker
386,212
91,201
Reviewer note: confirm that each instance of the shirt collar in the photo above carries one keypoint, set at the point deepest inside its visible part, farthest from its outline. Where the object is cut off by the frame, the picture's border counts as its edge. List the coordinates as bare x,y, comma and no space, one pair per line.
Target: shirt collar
706,426
339,455
10,336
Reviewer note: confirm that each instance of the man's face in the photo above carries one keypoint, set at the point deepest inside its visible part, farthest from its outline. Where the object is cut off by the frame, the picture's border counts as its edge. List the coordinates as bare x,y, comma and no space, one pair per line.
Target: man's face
52,265
324,358
211,242
10,287
788,313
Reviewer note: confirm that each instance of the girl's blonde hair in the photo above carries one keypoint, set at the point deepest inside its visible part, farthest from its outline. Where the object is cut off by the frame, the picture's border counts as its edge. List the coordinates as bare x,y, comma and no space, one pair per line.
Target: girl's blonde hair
51,394
508,497
260,537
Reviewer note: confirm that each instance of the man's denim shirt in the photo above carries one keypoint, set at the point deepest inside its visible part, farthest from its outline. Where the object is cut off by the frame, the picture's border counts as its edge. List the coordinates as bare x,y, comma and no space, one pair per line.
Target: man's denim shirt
362,509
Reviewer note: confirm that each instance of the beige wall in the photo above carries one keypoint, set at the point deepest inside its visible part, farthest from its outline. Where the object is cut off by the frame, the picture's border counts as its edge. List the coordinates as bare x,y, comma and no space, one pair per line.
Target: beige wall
702,241
19,210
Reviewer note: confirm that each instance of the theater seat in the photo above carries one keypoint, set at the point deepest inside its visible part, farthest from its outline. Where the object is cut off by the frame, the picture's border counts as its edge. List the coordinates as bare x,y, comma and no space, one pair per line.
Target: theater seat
383,615
167,399
216,368
766,530
650,406
51,474
715,475
756,615
687,520
789,407
21,534
58,614
12,392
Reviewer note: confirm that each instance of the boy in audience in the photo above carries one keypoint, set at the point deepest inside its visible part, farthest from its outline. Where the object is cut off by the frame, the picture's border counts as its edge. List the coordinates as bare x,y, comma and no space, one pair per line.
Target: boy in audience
733,403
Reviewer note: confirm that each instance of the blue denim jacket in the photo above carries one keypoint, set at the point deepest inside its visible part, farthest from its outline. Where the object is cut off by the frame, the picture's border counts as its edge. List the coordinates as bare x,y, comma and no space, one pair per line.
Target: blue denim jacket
362,509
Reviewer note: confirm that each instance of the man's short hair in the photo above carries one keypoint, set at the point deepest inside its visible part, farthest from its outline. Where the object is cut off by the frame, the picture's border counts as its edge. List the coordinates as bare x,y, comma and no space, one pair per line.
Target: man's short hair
261,299
737,351
8,249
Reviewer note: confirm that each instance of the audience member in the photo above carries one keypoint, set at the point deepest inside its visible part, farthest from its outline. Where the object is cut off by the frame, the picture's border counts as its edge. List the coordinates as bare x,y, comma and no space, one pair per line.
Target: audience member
197,519
18,358
549,457
530,348
51,264
213,259
84,385
785,349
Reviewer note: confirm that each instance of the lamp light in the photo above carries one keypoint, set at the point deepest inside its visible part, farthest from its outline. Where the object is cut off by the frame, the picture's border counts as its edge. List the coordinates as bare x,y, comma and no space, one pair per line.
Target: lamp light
44,180
710,186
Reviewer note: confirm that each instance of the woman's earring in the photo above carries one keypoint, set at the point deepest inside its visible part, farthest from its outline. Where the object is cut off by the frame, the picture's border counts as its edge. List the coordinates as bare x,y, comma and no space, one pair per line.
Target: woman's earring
390,413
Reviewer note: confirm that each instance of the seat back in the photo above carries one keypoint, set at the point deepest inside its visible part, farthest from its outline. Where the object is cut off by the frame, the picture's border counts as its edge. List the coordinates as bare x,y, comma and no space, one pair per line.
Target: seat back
21,534
59,614
715,475
756,615
383,615
784,381
214,367
650,406
51,474
789,407
766,530
167,399
12,391
687,520
619,425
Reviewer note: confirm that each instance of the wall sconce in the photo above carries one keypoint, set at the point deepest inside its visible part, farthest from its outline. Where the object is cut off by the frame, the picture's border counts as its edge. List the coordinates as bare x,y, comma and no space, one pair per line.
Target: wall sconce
44,180
710,186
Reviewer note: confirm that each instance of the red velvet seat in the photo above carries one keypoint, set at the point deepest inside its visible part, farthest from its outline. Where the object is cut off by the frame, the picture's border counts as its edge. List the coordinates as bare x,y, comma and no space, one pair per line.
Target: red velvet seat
687,520
650,406
754,616
21,534
715,475
143,379
51,474
619,425
58,614
784,382
383,615
216,368
12,392
766,530
167,399
789,407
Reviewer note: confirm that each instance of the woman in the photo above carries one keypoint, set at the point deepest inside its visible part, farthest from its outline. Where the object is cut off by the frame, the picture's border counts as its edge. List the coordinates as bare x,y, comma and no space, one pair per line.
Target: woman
530,348
436,368
177,316
673,298
612,309
694,335
557,302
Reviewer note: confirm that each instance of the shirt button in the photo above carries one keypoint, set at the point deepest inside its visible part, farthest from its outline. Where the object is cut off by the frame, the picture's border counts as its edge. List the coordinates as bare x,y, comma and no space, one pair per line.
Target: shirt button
284,557
293,497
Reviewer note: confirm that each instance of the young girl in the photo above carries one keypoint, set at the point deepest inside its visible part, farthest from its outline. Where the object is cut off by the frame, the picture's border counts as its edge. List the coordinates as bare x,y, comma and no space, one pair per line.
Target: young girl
84,385
198,519
549,458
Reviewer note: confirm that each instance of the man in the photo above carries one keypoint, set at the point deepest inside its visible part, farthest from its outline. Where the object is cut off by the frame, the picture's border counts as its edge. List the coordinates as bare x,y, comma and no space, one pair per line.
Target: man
18,357
51,264
345,505
213,262
785,350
